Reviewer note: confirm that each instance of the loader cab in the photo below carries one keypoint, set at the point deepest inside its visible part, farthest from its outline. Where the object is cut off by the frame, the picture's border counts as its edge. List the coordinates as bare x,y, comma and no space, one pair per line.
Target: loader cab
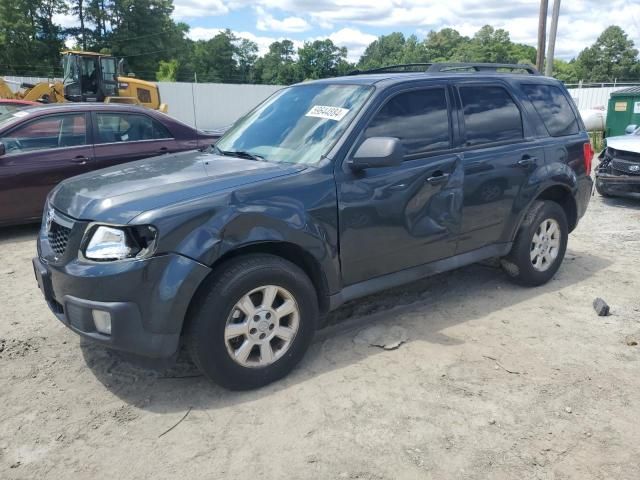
89,77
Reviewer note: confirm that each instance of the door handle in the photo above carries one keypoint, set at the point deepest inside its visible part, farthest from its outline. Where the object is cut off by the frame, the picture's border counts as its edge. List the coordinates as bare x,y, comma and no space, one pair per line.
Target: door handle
438,178
527,161
164,150
80,159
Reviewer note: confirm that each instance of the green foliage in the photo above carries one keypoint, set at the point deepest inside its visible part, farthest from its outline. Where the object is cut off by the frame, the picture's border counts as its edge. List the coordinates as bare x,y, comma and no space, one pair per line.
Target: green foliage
278,66
442,45
611,57
565,71
167,71
321,58
29,38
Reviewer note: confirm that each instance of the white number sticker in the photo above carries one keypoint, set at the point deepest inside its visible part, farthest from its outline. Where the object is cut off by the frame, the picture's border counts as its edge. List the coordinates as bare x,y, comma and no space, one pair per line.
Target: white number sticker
330,113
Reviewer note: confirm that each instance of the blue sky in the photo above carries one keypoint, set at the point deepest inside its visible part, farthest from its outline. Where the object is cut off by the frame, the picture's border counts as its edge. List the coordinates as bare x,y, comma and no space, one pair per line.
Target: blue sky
355,23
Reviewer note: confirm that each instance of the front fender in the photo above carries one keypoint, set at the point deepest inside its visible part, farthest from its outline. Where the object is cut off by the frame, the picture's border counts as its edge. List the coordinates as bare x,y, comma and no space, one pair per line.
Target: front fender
286,224
299,211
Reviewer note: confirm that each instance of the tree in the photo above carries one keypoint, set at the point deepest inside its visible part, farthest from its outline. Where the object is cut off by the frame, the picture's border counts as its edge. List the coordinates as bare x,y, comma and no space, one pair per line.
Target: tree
487,45
30,41
246,54
143,32
321,59
167,71
78,7
97,13
565,71
278,66
442,46
386,50
611,57
214,59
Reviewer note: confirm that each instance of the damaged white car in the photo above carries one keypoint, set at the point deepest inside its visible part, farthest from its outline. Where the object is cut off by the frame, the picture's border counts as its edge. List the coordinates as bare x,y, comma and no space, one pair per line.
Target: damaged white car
618,173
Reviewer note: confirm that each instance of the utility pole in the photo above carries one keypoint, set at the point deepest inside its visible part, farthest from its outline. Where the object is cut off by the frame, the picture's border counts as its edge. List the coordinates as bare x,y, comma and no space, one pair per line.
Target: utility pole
542,33
548,69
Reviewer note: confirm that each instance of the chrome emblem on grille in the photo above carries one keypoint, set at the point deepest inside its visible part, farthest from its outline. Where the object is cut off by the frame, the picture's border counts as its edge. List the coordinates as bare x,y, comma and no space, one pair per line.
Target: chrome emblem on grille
48,220
634,168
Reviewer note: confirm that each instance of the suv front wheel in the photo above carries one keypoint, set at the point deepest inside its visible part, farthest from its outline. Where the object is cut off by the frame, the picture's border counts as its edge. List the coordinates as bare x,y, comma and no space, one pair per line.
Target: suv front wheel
540,245
252,322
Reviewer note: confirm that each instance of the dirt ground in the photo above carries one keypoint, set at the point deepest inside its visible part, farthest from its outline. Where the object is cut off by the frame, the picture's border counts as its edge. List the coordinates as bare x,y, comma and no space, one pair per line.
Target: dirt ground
495,381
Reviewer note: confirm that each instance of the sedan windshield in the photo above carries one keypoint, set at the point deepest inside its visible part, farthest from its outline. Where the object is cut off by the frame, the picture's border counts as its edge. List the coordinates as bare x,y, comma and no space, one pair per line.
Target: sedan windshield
8,108
12,114
297,124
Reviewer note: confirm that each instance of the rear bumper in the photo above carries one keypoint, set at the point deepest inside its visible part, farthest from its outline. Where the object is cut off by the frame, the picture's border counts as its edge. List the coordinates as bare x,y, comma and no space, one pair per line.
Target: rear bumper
146,300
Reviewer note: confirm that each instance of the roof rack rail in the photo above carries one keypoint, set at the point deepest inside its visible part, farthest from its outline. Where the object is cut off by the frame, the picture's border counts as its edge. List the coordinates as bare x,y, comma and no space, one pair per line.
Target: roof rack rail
482,67
401,68
451,67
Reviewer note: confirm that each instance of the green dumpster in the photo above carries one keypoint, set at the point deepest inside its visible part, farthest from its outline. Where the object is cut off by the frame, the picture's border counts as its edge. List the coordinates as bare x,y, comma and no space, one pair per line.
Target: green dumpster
624,109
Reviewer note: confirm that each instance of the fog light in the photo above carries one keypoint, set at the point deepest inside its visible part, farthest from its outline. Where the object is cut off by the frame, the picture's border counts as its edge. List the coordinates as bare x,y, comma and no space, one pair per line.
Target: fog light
102,321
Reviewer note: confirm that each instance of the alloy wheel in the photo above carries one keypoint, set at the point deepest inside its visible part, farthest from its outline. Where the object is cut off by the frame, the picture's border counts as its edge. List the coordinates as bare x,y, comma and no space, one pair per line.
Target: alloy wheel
262,326
545,245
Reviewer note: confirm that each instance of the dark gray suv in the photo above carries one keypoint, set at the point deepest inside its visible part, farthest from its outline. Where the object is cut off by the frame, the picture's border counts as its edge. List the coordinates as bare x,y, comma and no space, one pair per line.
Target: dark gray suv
328,191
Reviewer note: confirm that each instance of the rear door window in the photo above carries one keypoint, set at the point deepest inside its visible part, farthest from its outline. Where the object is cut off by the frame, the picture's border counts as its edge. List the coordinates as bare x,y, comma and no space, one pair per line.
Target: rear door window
554,109
490,115
126,127
419,119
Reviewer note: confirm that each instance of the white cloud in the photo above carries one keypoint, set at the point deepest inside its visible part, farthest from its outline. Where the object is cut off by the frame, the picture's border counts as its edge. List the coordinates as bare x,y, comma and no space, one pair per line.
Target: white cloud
355,41
189,9
267,22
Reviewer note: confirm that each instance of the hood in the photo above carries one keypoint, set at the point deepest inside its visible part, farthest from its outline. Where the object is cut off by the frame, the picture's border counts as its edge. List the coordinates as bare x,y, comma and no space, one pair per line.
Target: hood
626,143
118,194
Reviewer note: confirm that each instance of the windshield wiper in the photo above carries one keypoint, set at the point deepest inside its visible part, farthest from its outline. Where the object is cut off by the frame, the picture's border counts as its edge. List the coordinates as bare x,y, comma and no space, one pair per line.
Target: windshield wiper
239,153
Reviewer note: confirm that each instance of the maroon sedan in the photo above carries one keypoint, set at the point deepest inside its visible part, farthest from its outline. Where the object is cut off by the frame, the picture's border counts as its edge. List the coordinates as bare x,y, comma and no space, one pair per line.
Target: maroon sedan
41,146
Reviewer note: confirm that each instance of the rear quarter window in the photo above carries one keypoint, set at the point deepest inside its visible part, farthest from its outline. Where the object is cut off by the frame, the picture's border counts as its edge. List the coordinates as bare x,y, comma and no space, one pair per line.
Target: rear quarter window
554,109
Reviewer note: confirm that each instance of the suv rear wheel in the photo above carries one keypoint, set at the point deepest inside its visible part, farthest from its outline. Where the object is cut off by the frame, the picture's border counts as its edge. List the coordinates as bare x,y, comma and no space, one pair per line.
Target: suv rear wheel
540,245
253,321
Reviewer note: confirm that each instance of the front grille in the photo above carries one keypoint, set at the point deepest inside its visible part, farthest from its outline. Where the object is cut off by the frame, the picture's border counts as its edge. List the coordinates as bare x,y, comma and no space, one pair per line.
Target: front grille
58,237
625,166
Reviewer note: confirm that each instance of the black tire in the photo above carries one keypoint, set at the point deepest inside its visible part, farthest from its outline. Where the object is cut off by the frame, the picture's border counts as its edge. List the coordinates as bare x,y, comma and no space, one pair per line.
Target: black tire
518,263
216,301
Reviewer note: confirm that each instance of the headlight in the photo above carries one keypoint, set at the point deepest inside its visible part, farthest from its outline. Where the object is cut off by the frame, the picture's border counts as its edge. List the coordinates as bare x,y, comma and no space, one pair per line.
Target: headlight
108,243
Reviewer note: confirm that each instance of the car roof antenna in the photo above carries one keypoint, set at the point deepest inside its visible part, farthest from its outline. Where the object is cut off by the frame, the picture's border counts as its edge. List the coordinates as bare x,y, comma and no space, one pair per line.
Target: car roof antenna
193,105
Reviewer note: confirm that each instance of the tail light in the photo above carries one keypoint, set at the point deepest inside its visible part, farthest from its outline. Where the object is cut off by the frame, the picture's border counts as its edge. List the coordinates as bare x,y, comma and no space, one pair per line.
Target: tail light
587,150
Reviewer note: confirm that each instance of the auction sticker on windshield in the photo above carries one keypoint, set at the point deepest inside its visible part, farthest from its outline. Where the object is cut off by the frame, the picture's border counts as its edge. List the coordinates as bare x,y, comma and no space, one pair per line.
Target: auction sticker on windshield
330,113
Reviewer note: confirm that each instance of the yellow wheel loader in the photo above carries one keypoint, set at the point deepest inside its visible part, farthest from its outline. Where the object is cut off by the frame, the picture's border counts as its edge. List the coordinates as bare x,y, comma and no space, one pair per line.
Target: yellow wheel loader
90,77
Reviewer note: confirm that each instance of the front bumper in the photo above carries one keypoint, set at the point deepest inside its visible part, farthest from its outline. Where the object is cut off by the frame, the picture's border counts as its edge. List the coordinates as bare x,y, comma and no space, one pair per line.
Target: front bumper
146,299
618,185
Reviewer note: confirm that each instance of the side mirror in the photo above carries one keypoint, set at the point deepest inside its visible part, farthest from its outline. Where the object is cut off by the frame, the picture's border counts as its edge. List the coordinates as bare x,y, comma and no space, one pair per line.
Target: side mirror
377,152
630,130
3,149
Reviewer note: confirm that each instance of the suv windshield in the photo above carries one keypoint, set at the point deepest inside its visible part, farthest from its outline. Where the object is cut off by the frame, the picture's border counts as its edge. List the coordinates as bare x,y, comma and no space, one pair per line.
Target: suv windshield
297,124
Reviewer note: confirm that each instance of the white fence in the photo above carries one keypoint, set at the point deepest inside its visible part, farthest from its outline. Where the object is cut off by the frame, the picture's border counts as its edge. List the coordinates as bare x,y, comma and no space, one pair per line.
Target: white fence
212,105
593,97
